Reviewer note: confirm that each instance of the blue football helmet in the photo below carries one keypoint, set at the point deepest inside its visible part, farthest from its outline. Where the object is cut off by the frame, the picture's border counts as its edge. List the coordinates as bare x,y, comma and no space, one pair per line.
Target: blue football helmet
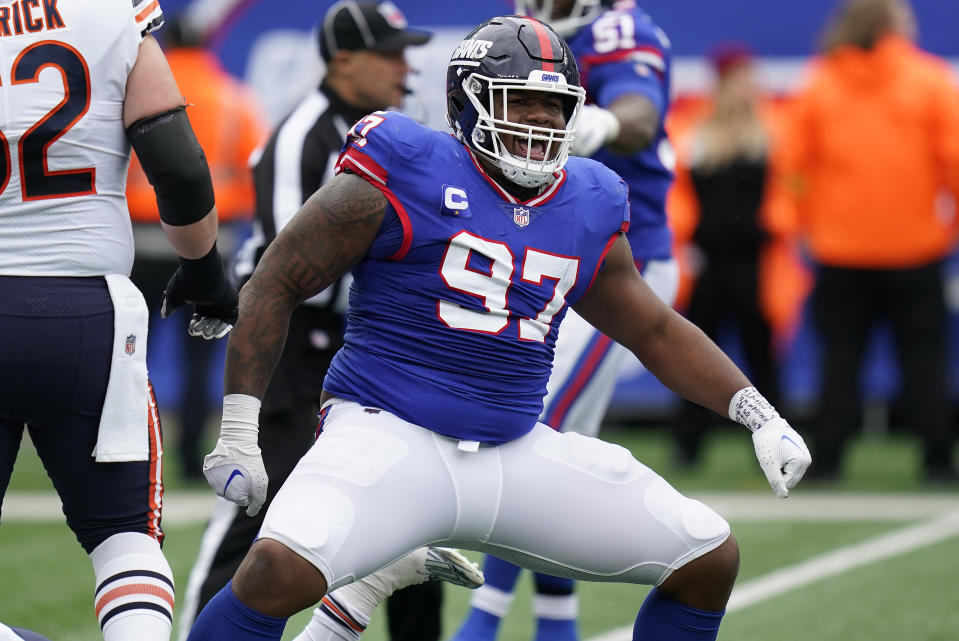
565,21
504,55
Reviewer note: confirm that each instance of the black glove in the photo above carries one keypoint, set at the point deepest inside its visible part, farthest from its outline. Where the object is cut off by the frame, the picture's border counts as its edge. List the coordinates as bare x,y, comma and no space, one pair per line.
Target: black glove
203,283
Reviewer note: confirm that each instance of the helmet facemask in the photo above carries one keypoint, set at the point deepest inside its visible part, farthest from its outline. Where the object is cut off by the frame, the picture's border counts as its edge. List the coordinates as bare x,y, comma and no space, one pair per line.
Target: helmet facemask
490,96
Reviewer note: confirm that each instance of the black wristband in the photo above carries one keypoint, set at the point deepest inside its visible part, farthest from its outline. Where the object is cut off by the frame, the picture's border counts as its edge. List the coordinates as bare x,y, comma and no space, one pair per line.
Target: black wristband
208,269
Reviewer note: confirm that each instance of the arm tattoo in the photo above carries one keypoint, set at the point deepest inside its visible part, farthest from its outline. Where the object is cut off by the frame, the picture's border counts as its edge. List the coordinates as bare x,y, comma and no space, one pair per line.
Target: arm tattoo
331,233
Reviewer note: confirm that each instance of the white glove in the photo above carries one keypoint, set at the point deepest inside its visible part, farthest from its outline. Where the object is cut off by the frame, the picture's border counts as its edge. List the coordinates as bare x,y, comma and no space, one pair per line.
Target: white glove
782,454
780,449
234,469
596,127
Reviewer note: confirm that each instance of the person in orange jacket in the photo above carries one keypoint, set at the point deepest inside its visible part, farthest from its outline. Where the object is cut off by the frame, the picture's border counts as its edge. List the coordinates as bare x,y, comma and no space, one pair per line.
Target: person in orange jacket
873,145
229,125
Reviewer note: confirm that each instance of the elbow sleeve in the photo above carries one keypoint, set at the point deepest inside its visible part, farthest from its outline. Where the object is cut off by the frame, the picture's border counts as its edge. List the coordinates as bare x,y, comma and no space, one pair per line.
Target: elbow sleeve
175,165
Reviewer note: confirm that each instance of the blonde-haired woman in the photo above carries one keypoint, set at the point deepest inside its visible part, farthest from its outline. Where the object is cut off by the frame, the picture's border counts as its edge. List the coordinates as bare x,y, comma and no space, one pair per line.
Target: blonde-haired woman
726,172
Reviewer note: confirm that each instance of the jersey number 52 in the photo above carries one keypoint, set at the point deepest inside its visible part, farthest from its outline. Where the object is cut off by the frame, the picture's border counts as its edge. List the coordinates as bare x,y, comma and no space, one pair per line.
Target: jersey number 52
36,180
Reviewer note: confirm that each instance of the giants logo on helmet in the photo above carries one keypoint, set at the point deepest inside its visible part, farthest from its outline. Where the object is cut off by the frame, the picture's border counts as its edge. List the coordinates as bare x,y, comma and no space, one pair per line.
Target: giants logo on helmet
538,75
472,48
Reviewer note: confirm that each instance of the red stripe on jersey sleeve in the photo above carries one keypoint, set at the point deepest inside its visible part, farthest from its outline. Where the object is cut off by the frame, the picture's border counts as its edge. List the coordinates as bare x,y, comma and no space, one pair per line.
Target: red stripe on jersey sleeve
602,256
368,169
361,164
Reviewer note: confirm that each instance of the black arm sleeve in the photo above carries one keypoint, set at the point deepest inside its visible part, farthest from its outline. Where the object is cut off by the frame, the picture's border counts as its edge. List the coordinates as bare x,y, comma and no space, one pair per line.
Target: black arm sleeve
175,165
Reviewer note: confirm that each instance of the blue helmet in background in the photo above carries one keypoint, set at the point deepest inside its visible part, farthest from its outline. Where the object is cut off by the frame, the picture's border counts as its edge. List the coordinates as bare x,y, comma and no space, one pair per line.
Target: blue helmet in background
565,21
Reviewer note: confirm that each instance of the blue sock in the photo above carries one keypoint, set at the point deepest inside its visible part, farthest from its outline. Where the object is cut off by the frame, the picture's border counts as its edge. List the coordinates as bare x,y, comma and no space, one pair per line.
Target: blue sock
490,601
662,619
479,625
555,606
225,618
500,574
556,630
546,584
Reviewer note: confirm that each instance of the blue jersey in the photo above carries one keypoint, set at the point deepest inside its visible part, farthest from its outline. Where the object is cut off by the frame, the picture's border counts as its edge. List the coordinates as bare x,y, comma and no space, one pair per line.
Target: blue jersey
622,51
454,313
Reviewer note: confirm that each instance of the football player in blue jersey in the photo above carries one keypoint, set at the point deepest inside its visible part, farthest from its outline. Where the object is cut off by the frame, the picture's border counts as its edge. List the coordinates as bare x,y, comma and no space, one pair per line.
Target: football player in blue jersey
624,60
466,252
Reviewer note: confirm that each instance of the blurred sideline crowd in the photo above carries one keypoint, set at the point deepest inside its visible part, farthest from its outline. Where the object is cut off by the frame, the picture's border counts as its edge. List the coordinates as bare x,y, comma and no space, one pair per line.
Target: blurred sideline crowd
836,196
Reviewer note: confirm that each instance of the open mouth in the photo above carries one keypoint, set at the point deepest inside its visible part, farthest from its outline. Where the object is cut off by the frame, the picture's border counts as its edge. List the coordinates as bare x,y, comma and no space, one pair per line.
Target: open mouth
534,150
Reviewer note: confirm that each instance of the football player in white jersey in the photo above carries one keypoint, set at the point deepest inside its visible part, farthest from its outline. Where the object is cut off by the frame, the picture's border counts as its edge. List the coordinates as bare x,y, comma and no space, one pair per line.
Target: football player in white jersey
81,81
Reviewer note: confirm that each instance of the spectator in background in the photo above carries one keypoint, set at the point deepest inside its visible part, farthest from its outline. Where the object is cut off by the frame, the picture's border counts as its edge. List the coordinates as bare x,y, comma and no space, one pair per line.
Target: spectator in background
363,47
874,144
229,125
725,173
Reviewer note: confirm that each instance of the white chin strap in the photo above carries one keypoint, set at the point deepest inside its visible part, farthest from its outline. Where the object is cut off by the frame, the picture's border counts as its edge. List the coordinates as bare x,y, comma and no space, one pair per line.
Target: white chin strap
524,177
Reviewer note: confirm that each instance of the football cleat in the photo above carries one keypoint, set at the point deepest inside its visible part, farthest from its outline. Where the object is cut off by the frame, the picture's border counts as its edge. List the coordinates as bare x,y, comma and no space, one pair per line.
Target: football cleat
428,564
447,564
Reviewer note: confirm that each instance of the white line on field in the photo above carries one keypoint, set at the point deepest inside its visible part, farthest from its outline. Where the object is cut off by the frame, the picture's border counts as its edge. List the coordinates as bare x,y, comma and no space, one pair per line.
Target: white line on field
179,508
195,506
837,561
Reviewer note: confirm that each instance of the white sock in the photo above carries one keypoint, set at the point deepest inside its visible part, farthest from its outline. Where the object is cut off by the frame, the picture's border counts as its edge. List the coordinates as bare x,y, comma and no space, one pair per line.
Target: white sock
555,606
345,612
134,588
362,596
492,600
335,620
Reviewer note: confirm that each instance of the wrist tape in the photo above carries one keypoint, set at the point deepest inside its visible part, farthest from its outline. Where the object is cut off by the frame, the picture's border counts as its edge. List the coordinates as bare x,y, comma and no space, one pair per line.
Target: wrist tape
241,418
748,407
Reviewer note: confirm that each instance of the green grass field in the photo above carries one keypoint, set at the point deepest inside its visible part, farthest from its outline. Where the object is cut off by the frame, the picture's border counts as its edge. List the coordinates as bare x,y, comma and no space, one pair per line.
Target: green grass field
46,579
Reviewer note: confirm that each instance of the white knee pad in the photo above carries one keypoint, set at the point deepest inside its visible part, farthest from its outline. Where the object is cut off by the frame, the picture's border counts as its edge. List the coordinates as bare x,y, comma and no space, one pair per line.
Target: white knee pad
134,588
699,527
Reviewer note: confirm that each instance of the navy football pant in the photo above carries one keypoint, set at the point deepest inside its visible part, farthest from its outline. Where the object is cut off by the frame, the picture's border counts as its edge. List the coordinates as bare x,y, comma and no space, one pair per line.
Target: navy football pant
55,350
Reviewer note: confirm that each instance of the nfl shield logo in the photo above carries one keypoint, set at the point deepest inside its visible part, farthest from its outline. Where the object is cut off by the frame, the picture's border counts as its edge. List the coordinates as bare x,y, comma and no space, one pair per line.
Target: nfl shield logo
393,15
130,345
520,216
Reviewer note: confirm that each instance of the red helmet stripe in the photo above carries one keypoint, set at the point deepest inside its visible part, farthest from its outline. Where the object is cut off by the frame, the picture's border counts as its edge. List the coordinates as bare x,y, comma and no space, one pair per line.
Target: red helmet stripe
545,46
